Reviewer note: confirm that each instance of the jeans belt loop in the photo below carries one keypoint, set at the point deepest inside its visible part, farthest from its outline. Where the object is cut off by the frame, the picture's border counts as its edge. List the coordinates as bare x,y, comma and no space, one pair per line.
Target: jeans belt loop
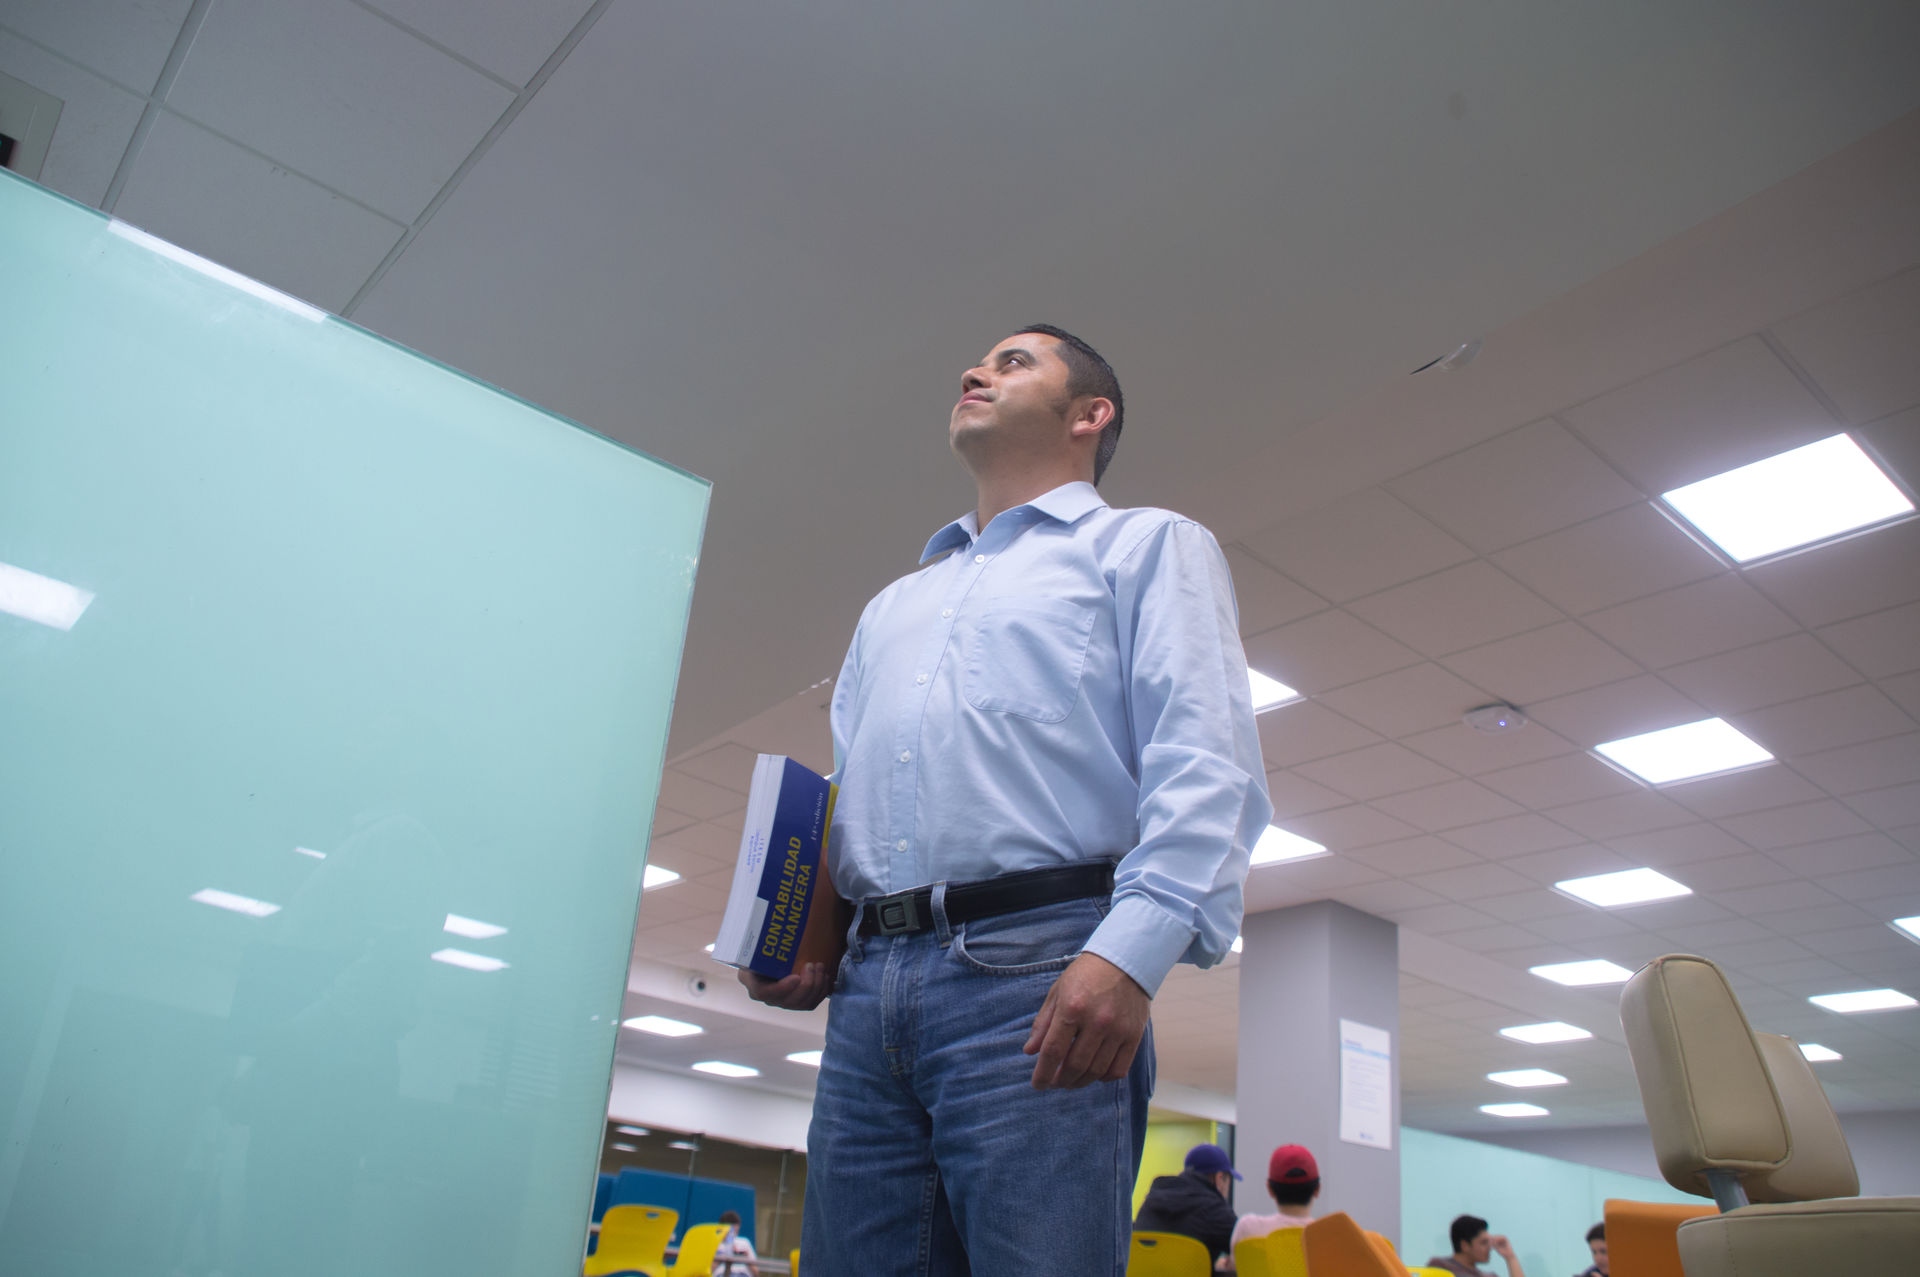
938,905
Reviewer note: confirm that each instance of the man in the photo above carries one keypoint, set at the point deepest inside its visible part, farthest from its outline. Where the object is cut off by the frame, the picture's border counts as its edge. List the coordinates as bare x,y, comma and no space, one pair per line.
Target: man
1059,688
1472,1244
1597,1247
735,1256
1194,1202
1293,1181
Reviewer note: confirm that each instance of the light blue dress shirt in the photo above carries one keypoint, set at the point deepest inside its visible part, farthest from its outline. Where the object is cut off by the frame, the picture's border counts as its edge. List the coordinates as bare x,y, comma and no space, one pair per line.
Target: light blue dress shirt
1067,684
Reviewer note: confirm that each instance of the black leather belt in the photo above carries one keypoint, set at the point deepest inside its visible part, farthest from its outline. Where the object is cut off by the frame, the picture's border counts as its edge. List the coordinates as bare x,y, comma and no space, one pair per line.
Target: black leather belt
906,912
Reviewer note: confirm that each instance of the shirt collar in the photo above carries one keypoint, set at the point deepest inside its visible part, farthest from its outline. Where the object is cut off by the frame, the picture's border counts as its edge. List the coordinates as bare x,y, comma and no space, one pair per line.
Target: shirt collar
1067,503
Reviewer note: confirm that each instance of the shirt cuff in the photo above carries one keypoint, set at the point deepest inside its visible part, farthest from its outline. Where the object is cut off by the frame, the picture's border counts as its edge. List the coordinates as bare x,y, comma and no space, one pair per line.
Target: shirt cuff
1141,939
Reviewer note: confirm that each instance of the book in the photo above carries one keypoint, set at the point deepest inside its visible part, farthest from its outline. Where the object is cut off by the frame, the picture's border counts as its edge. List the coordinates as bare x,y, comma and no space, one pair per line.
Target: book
782,912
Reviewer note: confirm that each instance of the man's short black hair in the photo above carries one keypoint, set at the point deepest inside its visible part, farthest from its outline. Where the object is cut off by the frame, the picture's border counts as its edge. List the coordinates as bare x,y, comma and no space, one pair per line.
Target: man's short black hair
1598,1233
1088,374
729,1216
1464,1230
1293,1192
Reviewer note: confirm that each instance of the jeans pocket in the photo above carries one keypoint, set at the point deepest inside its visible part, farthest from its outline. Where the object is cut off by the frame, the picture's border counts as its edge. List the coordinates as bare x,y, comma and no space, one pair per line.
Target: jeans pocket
1029,942
1025,656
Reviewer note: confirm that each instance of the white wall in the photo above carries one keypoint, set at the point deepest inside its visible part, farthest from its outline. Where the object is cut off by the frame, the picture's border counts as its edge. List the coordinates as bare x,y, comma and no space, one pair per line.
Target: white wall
687,1102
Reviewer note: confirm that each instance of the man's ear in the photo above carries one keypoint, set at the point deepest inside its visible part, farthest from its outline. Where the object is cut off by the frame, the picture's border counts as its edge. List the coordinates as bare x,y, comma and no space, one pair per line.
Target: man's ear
1089,416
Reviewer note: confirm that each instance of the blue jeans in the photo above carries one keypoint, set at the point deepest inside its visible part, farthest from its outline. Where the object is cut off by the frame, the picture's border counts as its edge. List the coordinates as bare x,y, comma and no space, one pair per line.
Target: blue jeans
930,1152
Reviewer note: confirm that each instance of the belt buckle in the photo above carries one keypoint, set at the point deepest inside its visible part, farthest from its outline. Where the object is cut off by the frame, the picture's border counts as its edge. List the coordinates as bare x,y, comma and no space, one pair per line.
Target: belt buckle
897,915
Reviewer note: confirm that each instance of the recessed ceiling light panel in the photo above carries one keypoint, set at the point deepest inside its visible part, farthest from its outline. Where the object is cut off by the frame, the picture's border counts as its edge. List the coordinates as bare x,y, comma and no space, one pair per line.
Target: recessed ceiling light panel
1268,692
1627,887
234,904
1527,1077
662,1026
472,928
1908,927
1797,498
1819,1054
1542,1034
657,876
33,597
1580,974
1513,1110
1239,943
471,961
1705,748
1862,1000
809,1058
1276,844
720,1068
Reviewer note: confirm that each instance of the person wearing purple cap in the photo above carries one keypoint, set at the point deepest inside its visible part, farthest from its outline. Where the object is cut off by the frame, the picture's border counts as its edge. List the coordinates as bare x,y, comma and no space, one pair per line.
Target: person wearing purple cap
1194,1203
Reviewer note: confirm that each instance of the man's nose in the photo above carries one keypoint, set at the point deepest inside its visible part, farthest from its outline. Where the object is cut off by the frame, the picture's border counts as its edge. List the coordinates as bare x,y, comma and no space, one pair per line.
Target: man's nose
974,378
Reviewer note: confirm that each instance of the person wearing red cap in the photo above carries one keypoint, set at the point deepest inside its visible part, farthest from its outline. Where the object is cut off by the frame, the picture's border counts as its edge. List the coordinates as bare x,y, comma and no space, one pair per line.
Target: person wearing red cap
1293,1179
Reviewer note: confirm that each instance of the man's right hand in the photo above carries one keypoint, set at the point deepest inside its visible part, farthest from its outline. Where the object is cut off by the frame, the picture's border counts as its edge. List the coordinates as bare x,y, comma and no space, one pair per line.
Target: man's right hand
802,991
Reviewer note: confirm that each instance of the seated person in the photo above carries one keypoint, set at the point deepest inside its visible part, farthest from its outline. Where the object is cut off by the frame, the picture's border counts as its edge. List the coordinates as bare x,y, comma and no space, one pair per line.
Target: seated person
1471,1246
1597,1244
1194,1202
736,1257
1293,1180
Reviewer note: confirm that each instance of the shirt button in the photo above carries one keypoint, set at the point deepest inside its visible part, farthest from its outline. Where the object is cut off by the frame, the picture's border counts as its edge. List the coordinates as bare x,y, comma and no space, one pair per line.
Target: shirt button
920,678
979,558
901,845
948,612
906,755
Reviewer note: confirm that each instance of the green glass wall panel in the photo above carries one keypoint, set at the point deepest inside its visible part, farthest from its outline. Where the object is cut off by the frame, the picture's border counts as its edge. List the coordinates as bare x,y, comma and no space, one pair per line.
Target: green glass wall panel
310,649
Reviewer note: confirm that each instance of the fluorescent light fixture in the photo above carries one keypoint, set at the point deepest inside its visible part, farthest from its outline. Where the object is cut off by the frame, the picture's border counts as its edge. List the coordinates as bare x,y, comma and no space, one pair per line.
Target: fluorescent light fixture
1908,927
1527,1077
1542,1034
633,1130
1580,974
626,1148
1627,887
33,597
1819,1054
1513,1110
809,1058
472,928
1268,692
214,270
1704,748
662,1026
720,1068
471,961
686,1146
656,876
708,948
308,851
1862,1000
1793,499
237,904
1276,844
1239,943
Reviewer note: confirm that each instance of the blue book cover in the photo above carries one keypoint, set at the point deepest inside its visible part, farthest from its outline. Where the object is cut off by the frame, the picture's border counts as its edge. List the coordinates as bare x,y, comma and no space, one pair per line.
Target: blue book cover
782,911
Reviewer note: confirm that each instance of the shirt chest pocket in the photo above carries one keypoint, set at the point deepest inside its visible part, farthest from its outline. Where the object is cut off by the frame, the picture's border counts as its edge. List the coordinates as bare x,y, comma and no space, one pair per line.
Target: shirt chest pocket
1025,656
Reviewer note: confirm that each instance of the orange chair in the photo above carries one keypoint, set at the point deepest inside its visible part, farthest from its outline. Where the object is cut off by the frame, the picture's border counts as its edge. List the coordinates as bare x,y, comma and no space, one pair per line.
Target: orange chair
1338,1247
1642,1237
633,1239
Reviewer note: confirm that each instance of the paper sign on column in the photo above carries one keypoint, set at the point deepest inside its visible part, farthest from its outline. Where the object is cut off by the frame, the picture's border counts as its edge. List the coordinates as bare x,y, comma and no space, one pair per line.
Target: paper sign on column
1366,1085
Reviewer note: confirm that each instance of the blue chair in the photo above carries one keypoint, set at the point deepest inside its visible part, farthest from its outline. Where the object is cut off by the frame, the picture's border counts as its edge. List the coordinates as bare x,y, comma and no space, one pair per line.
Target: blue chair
602,1195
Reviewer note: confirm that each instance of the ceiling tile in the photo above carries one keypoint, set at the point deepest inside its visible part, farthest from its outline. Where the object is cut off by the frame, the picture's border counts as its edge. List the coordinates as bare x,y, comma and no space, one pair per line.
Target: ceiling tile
1302,730
1888,808
1617,710
1377,770
1716,615
1617,557
1296,795
1512,836
1472,752
1621,815
328,89
1306,880
1380,897
1748,869
1866,573
1408,856
1838,930
1584,926
1715,412
1885,643
1550,661
1767,673
1755,789
1904,689
1662,915
1682,845
1438,920
1325,651
96,123
1744,955
212,198
729,766
1860,349
1534,906
1580,861
1794,826
1867,887
1492,939
510,38
686,793
127,41
1345,827
1554,782
1774,897
1850,717
1361,544
1265,597
1708,937
1447,806
1521,485
1454,609
1414,699
1842,855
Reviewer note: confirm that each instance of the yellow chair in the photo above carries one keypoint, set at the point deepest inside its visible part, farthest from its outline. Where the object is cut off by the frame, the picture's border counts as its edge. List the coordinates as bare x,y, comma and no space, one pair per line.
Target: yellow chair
1251,1259
1167,1255
1337,1247
1281,1253
793,1259
632,1239
698,1246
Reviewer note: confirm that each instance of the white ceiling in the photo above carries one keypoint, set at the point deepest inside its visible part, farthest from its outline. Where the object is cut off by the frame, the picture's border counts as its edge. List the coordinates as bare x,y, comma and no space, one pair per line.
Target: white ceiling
761,243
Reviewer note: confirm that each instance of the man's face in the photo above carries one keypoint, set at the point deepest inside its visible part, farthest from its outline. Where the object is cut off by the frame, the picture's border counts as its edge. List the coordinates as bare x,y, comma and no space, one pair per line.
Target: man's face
1599,1250
1223,1181
1014,399
1480,1249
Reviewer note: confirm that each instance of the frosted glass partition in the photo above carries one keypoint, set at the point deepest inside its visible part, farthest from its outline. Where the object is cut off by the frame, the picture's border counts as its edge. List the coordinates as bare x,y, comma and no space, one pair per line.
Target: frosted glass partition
333,695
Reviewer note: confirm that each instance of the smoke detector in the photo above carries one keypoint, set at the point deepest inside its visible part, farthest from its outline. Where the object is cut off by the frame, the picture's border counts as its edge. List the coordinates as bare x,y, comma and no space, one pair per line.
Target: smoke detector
1495,720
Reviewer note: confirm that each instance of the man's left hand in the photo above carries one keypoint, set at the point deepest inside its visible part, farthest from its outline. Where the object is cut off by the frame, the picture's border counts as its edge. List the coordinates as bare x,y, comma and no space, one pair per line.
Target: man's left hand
1089,1026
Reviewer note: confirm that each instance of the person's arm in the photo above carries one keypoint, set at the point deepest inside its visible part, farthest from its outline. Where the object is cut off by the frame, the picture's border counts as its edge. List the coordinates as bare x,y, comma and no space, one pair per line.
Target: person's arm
1504,1248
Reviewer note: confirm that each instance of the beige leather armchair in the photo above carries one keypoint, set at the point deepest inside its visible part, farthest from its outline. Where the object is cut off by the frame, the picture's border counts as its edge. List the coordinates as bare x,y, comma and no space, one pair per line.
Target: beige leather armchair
1739,1116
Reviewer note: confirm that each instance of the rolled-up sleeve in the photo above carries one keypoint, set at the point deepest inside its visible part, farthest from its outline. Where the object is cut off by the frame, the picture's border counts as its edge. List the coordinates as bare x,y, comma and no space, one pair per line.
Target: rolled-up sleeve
1203,792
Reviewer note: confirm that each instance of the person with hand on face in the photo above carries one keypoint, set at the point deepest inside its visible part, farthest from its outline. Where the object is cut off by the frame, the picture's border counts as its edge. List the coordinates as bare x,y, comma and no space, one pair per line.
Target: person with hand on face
1472,1245
1597,1247
1050,783
1194,1202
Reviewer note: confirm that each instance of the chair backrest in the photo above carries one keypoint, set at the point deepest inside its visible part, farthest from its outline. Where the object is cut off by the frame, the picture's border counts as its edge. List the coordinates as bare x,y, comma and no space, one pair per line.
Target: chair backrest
1383,1247
1287,1252
1641,1235
1822,1164
1251,1258
698,1247
632,1237
793,1257
1709,1096
1335,1244
1167,1255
